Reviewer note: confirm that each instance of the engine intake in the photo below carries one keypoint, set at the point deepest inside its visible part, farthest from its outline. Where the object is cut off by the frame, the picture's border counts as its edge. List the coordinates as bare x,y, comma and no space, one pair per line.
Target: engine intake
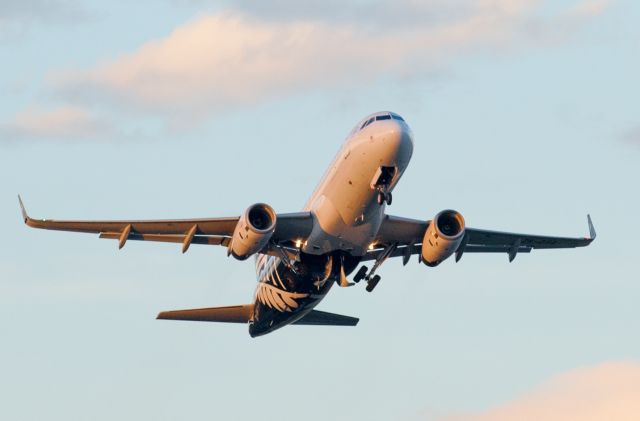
443,237
253,231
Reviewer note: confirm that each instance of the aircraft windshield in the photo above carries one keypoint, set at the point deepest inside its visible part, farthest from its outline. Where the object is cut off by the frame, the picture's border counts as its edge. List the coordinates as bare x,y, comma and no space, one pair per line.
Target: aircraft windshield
381,117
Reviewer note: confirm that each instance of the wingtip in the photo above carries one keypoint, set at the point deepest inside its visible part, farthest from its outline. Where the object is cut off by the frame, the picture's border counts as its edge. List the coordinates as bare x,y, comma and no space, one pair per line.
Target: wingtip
592,230
25,216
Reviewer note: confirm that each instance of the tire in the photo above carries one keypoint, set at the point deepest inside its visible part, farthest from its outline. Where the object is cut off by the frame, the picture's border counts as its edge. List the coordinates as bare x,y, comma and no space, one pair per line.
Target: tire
372,283
360,274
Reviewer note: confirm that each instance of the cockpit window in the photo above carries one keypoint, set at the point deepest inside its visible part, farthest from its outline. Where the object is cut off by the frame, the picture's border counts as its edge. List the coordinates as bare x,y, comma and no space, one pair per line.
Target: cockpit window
366,123
381,117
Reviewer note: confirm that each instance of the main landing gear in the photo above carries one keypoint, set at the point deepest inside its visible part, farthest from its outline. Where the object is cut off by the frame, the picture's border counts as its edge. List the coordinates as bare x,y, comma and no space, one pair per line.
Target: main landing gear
372,281
362,272
368,275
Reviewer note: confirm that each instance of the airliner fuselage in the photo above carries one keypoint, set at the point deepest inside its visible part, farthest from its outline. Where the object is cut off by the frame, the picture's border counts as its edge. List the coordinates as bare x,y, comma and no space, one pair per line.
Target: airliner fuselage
348,208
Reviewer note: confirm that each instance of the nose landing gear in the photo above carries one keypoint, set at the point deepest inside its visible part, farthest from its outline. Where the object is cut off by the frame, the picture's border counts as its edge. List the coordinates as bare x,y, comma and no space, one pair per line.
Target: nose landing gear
381,182
384,197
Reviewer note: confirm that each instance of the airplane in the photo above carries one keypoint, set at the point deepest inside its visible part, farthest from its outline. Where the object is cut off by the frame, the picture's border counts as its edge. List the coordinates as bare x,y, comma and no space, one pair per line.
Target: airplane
299,256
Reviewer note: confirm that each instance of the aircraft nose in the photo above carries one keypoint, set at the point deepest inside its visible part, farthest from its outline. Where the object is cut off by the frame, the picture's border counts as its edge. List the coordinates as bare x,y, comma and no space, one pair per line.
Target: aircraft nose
397,136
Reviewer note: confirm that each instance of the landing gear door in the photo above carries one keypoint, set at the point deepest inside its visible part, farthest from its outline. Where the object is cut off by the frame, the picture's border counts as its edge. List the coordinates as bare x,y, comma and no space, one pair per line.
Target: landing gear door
383,178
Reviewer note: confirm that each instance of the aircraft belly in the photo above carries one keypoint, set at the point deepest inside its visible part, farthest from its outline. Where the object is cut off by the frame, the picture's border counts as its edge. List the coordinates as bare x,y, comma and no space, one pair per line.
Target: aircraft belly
284,295
347,215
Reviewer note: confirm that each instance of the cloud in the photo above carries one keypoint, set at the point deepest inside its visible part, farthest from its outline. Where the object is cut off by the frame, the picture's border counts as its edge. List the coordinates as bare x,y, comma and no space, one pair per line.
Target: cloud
591,8
610,391
237,58
632,136
67,122
15,15
379,13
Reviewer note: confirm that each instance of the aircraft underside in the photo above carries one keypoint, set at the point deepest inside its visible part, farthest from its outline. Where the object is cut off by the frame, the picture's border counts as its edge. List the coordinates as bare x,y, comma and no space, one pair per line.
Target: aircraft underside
286,292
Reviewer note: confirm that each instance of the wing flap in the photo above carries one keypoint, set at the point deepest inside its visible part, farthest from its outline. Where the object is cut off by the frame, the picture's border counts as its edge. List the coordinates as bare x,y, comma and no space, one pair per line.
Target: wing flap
229,314
323,318
169,238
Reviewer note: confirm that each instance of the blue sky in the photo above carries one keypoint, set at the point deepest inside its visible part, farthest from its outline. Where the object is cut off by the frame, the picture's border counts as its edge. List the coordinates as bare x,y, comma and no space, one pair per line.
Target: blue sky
525,115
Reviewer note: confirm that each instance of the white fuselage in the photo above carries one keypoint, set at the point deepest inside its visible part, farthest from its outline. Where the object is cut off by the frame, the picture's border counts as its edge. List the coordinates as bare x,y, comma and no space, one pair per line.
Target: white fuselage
346,213
346,218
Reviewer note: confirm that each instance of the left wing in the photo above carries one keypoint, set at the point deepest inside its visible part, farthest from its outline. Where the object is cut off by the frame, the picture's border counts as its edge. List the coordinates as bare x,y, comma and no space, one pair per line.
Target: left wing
213,231
406,235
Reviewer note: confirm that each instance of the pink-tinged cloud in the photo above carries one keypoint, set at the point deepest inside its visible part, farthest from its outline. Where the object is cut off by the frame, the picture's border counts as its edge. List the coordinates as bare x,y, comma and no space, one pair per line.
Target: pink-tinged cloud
606,392
67,122
231,59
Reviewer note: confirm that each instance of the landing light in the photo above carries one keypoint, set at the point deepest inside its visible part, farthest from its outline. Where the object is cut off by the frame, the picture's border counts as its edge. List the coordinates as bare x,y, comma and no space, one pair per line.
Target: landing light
372,246
298,243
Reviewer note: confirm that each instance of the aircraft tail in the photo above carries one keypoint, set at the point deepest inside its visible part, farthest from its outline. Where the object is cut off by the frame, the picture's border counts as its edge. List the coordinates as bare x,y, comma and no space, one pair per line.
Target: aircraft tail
323,318
230,314
244,313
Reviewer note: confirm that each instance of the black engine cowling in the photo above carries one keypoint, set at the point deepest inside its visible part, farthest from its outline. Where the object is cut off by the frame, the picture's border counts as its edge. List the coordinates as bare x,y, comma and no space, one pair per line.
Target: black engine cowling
443,237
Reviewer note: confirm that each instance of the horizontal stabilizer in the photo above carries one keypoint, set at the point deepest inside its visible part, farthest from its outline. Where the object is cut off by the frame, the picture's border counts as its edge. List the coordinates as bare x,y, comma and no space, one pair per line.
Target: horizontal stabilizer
230,314
322,318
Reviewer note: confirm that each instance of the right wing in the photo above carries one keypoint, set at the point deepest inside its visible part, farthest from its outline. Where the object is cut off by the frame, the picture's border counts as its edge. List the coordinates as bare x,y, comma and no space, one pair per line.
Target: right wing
405,235
212,231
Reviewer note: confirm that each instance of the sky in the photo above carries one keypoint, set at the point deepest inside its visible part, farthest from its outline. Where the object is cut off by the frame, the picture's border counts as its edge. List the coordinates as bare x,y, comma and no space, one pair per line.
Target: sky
525,118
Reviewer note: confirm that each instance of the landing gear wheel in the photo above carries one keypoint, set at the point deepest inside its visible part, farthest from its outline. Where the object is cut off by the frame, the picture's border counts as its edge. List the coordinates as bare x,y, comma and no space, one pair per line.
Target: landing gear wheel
371,283
384,197
360,274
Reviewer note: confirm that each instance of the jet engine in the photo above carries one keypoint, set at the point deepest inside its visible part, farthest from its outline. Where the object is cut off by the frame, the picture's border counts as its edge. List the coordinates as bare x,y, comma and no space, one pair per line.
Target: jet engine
443,237
253,231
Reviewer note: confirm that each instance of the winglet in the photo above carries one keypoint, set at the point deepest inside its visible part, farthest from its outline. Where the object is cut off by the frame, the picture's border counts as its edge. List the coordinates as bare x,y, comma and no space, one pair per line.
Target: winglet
25,217
592,230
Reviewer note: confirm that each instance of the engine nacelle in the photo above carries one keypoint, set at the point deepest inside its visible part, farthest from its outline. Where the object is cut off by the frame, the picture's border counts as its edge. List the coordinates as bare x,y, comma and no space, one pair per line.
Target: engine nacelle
443,237
253,231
